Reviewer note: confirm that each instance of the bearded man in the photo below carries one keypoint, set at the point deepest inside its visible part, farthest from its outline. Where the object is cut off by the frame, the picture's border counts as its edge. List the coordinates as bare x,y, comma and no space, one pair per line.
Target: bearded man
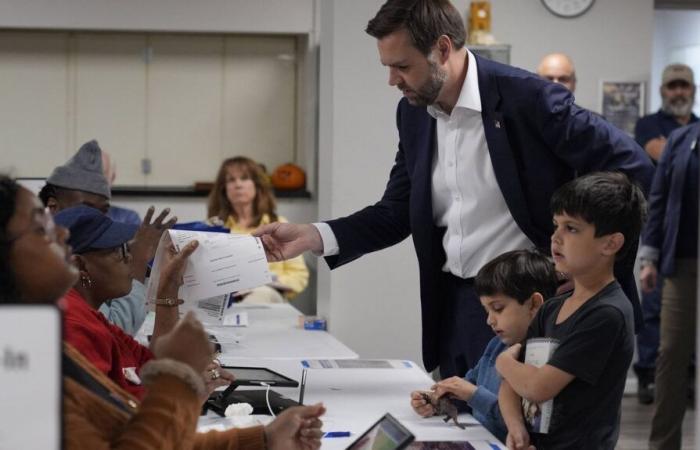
482,147
678,97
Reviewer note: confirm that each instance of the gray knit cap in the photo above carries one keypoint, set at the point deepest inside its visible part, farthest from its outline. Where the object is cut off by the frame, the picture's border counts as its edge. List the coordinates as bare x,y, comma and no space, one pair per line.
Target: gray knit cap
83,172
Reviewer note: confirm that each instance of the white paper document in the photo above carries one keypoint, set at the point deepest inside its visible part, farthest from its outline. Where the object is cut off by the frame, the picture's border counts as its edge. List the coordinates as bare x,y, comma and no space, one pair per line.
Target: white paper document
222,263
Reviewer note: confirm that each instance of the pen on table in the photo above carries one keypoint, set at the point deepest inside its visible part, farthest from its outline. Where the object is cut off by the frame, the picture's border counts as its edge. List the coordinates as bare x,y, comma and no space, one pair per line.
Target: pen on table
303,385
334,434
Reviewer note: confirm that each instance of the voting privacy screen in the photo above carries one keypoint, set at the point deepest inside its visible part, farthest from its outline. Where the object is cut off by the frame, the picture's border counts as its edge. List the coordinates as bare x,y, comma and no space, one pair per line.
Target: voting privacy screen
30,374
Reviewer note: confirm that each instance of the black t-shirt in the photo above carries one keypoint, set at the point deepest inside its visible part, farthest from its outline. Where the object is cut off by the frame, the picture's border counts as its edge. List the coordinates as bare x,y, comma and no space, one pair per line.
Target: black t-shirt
596,344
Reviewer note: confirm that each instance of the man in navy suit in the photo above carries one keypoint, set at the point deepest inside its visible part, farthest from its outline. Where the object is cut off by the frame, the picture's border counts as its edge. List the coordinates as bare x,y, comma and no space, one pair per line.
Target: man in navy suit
482,148
670,247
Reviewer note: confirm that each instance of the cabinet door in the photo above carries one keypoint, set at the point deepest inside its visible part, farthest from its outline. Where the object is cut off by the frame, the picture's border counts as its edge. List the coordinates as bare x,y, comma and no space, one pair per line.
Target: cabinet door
260,99
33,102
110,98
185,80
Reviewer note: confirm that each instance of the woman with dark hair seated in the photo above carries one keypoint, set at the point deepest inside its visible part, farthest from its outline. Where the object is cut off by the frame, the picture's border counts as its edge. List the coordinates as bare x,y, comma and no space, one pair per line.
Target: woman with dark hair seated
35,267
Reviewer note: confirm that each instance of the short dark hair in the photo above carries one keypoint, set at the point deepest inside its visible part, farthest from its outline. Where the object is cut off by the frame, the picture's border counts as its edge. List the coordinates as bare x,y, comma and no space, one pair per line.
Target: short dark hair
607,200
48,191
8,199
518,274
425,21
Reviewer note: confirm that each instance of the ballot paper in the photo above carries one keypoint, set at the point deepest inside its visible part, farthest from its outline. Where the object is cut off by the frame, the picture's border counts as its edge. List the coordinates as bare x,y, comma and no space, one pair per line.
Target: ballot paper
222,263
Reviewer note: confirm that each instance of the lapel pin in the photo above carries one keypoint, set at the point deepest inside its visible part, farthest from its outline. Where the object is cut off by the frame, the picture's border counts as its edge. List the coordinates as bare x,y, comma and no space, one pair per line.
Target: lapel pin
497,123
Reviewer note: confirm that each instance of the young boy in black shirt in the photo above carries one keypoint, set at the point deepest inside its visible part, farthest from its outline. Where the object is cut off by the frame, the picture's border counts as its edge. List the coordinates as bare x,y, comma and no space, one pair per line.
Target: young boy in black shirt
572,395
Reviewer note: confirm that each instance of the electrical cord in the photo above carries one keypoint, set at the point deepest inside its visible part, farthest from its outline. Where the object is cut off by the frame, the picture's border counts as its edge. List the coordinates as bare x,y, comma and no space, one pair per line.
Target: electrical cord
267,398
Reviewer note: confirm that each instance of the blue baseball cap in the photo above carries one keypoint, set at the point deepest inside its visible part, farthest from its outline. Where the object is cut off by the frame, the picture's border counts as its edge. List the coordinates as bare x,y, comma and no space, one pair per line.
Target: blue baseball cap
90,229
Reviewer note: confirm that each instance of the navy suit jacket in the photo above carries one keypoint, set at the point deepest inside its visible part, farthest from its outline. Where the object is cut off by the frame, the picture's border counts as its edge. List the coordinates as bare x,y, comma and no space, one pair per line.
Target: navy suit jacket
665,200
538,139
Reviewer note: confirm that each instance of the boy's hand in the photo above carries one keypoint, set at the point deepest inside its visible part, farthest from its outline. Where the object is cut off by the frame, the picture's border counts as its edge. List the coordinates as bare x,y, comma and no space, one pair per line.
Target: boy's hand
513,351
420,406
458,387
518,438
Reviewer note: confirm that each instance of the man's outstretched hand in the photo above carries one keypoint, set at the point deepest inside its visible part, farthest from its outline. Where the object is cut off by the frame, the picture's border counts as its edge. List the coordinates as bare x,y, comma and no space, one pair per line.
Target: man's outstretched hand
286,240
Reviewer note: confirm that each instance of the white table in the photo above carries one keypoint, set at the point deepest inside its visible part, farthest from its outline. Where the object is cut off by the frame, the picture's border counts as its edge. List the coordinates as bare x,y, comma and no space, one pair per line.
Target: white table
272,333
356,398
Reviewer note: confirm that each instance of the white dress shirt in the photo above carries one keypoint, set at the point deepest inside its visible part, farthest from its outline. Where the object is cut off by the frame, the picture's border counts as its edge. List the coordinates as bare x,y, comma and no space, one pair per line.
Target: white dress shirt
466,197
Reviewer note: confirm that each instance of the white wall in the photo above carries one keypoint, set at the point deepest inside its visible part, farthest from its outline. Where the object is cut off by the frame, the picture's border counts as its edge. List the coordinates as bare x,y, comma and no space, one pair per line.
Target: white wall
373,303
612,41
225,16
674,31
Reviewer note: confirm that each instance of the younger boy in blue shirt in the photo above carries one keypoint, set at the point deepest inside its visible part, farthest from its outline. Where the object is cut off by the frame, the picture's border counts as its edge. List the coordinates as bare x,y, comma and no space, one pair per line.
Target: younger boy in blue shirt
511,287
590,330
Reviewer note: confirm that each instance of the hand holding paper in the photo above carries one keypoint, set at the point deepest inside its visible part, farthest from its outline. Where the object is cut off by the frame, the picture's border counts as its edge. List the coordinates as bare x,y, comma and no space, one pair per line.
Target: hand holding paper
222,263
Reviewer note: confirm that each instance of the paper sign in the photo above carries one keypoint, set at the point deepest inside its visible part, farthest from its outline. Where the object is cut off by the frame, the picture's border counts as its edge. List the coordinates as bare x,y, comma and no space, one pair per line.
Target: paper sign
30,376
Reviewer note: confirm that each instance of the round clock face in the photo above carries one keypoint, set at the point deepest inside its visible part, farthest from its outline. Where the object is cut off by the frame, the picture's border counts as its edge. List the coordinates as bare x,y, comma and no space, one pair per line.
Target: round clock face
568,8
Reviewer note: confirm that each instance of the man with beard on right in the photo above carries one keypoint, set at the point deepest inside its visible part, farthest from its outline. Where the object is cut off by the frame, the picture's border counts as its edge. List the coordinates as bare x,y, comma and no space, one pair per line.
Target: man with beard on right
678,97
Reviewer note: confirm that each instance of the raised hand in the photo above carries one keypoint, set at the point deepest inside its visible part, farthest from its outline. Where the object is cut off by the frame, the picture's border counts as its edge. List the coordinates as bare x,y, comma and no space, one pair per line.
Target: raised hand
173,266
145,242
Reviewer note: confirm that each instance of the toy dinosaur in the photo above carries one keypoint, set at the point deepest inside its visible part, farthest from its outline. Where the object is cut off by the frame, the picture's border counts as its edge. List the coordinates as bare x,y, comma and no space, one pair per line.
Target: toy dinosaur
442,406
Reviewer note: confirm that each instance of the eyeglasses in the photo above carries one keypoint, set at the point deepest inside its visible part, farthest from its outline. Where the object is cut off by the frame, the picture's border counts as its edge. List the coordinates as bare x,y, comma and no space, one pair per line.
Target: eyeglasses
121,253
42,224
561,79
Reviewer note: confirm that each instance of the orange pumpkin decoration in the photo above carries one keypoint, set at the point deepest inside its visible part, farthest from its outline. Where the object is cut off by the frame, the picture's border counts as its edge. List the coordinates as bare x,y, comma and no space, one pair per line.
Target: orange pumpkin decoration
288,177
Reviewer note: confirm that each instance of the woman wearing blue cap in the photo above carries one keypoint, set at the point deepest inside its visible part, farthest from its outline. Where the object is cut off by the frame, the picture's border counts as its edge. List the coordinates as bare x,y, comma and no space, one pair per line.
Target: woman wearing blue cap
101,254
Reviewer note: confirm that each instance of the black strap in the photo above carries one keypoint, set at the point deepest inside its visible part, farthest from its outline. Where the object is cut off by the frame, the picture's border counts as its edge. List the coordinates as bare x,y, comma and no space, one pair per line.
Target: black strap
72,370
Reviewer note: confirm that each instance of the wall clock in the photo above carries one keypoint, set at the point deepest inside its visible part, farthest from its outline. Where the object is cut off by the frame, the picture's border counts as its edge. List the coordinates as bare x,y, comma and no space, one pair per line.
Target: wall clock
568,8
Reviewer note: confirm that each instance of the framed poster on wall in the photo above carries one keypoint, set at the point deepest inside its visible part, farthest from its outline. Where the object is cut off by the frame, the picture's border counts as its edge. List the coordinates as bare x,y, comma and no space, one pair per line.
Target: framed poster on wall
622,103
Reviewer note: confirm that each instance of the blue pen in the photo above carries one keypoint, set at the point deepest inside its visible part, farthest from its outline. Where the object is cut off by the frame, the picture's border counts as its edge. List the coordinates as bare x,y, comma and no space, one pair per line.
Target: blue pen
334,434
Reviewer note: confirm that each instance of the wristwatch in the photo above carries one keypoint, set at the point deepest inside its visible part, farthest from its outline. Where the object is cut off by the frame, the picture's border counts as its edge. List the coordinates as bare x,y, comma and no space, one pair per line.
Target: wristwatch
168,301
